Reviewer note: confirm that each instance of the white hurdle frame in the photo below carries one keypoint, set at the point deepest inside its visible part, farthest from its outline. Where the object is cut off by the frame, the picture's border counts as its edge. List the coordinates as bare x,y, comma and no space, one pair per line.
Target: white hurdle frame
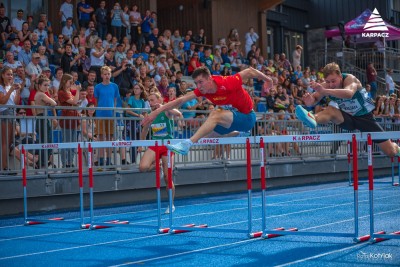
34,221
381,235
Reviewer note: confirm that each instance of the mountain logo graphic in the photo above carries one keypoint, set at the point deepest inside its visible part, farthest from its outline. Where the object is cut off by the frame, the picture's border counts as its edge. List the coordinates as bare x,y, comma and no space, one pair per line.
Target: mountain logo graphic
375,22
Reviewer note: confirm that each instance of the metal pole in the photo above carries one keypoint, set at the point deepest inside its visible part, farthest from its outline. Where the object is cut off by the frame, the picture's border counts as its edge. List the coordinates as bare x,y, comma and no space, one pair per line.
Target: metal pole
249,193
371,187
355,185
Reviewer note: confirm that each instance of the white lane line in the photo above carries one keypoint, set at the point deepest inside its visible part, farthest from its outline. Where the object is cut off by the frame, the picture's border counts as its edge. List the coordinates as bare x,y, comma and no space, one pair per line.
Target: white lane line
323,255
78,247
184,253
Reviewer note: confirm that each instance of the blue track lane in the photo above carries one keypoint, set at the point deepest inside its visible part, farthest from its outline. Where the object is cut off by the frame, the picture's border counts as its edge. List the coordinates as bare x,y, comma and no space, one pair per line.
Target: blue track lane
317,208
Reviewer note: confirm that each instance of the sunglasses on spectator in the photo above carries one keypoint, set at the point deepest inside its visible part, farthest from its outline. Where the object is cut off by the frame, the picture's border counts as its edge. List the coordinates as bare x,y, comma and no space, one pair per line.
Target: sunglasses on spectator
22,112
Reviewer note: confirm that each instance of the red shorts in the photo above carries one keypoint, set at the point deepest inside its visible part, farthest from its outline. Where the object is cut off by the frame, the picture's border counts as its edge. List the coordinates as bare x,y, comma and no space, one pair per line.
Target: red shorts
163,150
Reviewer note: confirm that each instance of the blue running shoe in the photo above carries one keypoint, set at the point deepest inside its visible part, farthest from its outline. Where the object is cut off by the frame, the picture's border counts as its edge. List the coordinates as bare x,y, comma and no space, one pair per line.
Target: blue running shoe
181,148
306,117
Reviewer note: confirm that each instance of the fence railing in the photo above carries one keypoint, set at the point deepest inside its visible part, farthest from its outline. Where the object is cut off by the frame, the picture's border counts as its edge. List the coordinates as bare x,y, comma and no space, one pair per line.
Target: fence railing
48,129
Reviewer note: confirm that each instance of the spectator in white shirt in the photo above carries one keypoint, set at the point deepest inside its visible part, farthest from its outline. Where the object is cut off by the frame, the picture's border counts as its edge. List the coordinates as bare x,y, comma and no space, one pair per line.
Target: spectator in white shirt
16,23
66,11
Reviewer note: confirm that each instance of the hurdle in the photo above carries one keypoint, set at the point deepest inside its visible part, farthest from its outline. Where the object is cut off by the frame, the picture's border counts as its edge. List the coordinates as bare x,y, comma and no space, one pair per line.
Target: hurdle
324,137
263,194
94,225
204,227
381,235
34,221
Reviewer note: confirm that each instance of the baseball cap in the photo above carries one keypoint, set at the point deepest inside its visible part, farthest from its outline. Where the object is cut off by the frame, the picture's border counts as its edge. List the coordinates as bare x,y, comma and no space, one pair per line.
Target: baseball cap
46,69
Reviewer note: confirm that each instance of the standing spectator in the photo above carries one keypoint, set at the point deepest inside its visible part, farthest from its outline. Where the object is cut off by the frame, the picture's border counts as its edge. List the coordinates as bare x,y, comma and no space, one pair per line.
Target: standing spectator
371,79
66,11
146,26
100,19
116,21
251,38
68,30
9,95
136,103
43,126
233,37
69,60
124,75
68,125
106,94
200,38
297,56
176,38
135,19
97,58
43,36
5,25
25,33
285,62
126,26
84,10
59,49
83,64
390,85
16,24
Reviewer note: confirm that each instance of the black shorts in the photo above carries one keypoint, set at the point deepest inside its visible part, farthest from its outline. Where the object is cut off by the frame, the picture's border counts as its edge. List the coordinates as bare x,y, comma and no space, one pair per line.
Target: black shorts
364,123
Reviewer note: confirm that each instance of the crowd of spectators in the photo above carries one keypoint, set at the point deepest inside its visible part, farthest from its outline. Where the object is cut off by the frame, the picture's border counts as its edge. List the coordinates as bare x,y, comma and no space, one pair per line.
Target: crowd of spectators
64,69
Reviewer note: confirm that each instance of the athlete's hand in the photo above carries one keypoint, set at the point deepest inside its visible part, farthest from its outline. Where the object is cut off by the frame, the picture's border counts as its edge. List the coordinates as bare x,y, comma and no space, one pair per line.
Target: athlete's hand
317,87
268,84
308,99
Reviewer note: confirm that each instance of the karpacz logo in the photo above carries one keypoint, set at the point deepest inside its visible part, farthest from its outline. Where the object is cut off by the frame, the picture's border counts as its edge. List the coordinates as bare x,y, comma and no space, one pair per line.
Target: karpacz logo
50,146
209,141
375,26
307,138
121,144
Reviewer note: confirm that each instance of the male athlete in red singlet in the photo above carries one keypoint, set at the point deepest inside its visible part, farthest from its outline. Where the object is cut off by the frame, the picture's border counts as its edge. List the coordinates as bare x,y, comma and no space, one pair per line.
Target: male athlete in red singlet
236,113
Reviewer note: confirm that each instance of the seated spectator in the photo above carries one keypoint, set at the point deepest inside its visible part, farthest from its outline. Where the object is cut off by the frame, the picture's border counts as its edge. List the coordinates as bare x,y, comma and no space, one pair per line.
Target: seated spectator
44,61
33,69
11,62
25,134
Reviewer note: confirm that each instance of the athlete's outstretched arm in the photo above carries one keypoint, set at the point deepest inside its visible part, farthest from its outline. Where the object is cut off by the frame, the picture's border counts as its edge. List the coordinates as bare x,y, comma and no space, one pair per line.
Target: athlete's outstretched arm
251,73
350,86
